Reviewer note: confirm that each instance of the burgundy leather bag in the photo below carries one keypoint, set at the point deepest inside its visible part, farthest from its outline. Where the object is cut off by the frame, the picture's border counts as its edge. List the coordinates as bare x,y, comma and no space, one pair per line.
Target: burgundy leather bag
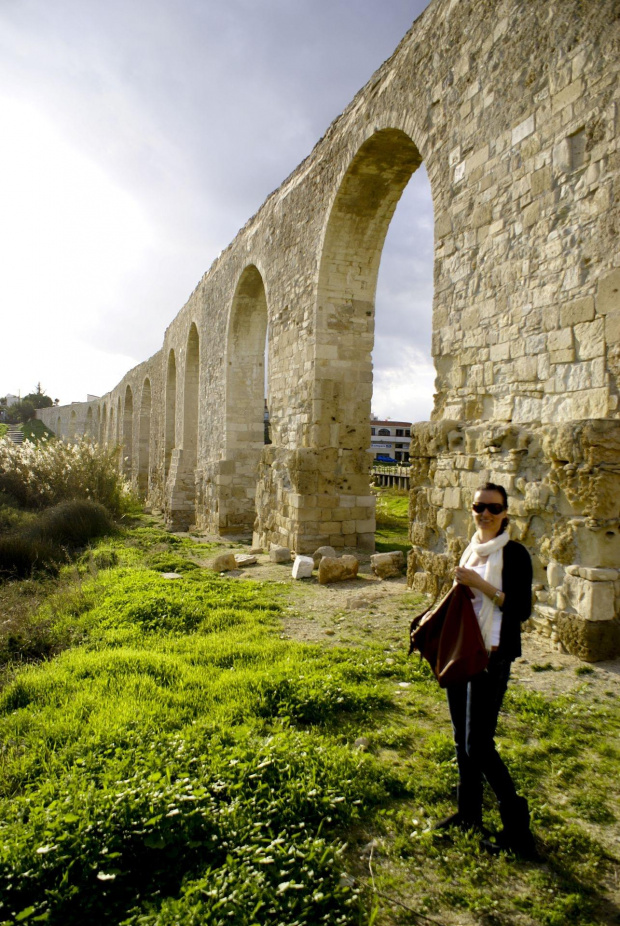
449,638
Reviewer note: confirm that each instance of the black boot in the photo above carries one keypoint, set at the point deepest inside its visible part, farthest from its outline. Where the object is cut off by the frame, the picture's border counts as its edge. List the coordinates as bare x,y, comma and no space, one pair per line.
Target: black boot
468,816
516,836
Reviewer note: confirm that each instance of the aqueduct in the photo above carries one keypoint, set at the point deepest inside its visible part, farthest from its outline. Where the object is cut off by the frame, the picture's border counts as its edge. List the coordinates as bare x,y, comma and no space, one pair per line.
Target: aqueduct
513,107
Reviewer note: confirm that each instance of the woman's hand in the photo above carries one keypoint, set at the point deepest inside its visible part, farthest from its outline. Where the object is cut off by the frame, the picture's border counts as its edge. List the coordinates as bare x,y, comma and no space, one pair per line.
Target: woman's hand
469,577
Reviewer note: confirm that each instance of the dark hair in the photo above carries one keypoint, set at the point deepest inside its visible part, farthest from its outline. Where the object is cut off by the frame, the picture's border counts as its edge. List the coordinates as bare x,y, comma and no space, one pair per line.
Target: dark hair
493,487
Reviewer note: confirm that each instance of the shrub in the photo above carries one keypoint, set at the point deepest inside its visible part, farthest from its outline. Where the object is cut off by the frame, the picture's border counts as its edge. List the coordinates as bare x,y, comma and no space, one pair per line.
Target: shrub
21,556
44,474
73,523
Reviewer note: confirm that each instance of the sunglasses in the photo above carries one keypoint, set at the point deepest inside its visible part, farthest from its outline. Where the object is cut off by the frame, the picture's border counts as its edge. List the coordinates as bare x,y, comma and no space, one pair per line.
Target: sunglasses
493,507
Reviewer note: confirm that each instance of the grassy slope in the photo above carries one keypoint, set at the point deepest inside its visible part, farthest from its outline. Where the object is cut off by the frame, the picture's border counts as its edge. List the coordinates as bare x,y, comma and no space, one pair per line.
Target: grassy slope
392,522
177,762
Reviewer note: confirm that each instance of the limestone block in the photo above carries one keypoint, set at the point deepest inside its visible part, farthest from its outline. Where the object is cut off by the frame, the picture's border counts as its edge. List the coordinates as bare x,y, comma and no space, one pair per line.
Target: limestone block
302,567
589,339
337,569
608,293
388,565
560,340
598,575
612,328
555,575
579,310
318,554
366,526
245,559
452,498
224,563
171,575
536,496
522,130
541,180
593,601
279,554
589,640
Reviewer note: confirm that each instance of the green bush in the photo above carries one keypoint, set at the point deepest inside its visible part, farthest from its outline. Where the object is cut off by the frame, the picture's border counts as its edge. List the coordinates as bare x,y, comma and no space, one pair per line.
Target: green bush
44,474
72,523
21,556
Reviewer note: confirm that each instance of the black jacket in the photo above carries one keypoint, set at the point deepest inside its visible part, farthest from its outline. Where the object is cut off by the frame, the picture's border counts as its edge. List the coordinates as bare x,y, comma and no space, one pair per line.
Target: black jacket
517,607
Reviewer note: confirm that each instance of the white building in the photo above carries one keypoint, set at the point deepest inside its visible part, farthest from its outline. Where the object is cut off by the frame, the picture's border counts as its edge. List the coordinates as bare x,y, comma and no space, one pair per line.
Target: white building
390,439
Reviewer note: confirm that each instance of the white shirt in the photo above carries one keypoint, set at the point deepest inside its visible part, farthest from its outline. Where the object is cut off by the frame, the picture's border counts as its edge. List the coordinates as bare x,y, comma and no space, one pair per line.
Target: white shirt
477,605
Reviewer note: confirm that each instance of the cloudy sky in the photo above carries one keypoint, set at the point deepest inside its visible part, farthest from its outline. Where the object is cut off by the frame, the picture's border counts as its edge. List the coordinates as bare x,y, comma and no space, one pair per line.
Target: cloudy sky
138,137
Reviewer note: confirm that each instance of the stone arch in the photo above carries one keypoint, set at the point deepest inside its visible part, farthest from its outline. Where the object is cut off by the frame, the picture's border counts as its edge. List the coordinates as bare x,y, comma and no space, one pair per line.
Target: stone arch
358,221
245,398
181,483
88,426
144,438
128,431
111,439
191,392
119,420
103,433
171,411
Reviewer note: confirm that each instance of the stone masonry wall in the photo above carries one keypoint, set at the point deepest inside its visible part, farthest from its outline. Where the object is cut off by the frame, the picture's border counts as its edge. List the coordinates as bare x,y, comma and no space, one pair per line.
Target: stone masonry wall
513,108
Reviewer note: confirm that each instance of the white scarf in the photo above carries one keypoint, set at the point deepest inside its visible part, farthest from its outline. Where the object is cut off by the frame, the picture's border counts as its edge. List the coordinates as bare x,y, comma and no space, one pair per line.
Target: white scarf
494,550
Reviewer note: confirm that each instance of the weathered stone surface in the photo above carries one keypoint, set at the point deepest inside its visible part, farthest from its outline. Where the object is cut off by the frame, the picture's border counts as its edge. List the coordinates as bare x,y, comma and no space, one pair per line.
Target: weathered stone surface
171,575
245,559
321,552
224,563
279,554
303,567
522,158
337,569
388,565
589,640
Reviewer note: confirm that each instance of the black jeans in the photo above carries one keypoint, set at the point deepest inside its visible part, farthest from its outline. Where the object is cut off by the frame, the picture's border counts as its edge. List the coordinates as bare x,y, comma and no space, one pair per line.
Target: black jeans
474,709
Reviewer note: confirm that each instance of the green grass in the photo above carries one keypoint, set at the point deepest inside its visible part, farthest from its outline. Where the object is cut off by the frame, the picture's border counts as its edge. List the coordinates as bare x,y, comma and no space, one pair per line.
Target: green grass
35,430
392,531
174,761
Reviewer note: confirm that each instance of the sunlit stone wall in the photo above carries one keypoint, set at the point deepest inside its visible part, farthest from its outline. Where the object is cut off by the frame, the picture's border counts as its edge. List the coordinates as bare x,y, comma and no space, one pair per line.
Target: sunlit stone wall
513,108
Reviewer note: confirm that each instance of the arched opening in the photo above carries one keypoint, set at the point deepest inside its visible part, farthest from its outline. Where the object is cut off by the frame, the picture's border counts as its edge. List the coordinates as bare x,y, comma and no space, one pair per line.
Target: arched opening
111,439
88,426
144,439
171,410
191,389
128,432
353,244
103,434
119,419
246,430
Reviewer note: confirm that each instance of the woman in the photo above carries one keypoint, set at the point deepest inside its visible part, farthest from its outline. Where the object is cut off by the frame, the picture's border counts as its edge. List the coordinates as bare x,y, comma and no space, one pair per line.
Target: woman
499,573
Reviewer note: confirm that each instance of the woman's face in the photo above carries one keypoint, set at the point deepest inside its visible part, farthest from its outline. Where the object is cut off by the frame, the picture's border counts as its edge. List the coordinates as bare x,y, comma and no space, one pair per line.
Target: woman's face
489,524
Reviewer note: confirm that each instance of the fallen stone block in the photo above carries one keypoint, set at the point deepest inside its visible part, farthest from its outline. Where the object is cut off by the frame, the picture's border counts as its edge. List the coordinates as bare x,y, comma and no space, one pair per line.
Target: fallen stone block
318,555
337,569
224,563
388,565
302,567
279,554
170,575
244,559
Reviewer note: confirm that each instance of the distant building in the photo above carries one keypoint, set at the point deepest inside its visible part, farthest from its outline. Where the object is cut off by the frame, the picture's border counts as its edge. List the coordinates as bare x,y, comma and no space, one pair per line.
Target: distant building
390,439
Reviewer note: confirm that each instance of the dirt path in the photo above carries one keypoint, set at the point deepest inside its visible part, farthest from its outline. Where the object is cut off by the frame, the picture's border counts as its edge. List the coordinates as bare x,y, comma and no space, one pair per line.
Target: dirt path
375,610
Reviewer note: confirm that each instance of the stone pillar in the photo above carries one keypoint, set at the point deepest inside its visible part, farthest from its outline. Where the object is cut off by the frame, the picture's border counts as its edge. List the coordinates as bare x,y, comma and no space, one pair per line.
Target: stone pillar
308,498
